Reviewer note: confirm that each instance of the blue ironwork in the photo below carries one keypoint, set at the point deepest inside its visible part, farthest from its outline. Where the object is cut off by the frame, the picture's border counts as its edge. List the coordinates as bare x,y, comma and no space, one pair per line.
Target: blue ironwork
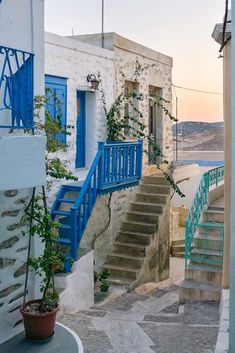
16,89
209,179
116,166
121,164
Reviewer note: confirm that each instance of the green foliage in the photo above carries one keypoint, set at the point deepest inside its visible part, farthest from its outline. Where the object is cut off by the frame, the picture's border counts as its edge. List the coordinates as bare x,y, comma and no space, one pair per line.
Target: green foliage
118,123
40,223
55,167
102,279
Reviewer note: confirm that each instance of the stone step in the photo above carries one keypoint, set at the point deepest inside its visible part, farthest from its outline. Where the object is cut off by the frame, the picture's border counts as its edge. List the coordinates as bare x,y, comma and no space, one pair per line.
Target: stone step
178,242
117,272
155,189
126,261
191,290
151,198
156,180
146,207
177,248
208,242
213,215
135,238
140,227
143,217
130,249
204,273
210,228
178,254
203,255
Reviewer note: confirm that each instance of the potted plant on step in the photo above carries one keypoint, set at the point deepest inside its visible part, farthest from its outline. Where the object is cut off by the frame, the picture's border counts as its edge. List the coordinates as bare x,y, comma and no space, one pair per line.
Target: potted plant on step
39,315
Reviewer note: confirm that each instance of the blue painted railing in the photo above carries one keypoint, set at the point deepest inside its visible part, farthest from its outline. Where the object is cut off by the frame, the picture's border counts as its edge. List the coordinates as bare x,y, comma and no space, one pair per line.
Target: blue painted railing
121,163
116,166
210,178
16,89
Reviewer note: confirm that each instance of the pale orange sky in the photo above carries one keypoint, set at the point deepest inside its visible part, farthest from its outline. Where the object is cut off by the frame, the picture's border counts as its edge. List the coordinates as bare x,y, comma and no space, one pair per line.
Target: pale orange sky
179,28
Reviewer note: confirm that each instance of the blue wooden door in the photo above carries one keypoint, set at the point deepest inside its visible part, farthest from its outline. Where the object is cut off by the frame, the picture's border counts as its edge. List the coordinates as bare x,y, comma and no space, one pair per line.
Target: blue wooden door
81,130
56,105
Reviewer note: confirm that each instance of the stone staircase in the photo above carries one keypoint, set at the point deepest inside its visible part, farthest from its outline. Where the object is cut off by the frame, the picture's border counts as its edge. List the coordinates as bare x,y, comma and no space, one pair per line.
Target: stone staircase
178,248
141,249
203,275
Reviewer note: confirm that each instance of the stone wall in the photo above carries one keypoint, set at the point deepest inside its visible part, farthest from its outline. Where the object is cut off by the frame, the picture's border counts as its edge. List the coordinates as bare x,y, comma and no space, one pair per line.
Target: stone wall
103,245
13,253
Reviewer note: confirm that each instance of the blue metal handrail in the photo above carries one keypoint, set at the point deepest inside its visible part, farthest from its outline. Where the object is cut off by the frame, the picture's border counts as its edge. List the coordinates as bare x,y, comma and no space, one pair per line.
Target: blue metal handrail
116,166
82,208
210,178
16,88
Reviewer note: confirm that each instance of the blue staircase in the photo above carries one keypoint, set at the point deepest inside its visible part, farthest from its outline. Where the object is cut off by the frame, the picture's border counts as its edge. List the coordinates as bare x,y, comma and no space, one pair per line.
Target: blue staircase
116,166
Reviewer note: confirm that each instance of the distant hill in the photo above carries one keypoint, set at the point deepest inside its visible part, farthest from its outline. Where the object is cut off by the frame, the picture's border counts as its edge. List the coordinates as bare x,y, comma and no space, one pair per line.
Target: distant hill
200,136
189,127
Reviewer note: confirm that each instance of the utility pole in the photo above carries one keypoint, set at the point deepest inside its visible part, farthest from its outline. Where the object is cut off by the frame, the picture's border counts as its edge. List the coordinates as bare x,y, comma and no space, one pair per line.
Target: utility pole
176,131
102,23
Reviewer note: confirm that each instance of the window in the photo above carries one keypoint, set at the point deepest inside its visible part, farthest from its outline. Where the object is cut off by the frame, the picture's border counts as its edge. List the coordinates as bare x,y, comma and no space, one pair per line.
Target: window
129,107
56,105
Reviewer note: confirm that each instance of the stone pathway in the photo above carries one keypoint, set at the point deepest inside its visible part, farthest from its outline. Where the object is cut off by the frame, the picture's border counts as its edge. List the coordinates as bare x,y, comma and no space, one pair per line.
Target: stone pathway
147,323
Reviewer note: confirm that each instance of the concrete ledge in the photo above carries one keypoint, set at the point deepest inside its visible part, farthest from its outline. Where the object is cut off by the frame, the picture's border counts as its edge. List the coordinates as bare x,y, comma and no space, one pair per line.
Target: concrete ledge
77,286
22,161
64,340
222,343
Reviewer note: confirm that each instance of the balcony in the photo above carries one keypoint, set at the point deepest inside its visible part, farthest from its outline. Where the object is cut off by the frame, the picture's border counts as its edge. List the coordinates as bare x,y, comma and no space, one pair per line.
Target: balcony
22,157
16,89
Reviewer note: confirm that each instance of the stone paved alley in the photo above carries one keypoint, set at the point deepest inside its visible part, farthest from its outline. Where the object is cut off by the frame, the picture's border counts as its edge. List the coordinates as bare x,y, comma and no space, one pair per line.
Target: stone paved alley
140,322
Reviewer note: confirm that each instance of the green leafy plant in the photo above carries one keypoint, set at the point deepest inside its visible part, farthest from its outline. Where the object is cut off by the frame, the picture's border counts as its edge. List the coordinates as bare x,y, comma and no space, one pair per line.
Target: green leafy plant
120,124
55,167
102,280
39,223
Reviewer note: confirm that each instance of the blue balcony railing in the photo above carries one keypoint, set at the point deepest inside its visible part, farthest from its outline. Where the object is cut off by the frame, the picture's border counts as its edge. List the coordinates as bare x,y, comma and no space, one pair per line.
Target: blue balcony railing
117,165
121,164
16,89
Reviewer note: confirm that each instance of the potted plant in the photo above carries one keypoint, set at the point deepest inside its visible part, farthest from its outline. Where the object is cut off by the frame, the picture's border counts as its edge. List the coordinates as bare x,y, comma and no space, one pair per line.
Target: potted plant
39,315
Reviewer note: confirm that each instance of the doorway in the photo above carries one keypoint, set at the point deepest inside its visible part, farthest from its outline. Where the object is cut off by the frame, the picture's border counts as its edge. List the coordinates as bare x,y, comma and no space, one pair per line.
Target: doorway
81,130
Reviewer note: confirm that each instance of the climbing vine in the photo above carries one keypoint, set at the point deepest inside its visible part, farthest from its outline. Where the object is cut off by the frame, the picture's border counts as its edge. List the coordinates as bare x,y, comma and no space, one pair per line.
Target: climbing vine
122,124
55,167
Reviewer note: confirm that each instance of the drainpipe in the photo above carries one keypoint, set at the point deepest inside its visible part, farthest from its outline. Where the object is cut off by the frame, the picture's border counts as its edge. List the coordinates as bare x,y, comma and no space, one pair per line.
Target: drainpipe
32,25
232,248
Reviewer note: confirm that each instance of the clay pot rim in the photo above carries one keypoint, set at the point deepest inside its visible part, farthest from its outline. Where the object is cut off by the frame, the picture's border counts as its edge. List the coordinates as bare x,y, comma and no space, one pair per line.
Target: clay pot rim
48,313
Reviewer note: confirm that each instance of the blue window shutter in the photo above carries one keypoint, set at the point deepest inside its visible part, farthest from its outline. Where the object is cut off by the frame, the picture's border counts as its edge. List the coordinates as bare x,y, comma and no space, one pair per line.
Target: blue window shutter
57,88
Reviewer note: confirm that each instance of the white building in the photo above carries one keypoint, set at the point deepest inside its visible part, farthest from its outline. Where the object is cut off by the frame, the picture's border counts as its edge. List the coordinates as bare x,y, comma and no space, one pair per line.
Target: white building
22,156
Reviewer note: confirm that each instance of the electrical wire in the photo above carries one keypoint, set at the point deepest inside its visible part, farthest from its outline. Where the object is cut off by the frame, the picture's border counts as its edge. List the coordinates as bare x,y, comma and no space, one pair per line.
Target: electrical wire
196,90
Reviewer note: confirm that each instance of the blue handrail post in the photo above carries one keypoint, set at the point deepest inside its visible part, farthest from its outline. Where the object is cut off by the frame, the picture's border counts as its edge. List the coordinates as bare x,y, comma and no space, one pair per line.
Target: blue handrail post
101,166
74,233
139,158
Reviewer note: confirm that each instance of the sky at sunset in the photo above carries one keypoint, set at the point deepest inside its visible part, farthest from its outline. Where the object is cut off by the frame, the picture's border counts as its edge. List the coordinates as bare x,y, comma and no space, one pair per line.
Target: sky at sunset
179,28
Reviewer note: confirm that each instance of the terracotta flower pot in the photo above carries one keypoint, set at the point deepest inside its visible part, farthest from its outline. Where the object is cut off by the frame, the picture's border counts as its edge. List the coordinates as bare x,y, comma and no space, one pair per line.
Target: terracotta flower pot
38,326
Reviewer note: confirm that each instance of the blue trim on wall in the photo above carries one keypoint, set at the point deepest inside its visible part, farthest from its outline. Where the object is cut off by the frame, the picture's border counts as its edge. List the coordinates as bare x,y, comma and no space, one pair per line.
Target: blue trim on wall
59,86
202,163
56,79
